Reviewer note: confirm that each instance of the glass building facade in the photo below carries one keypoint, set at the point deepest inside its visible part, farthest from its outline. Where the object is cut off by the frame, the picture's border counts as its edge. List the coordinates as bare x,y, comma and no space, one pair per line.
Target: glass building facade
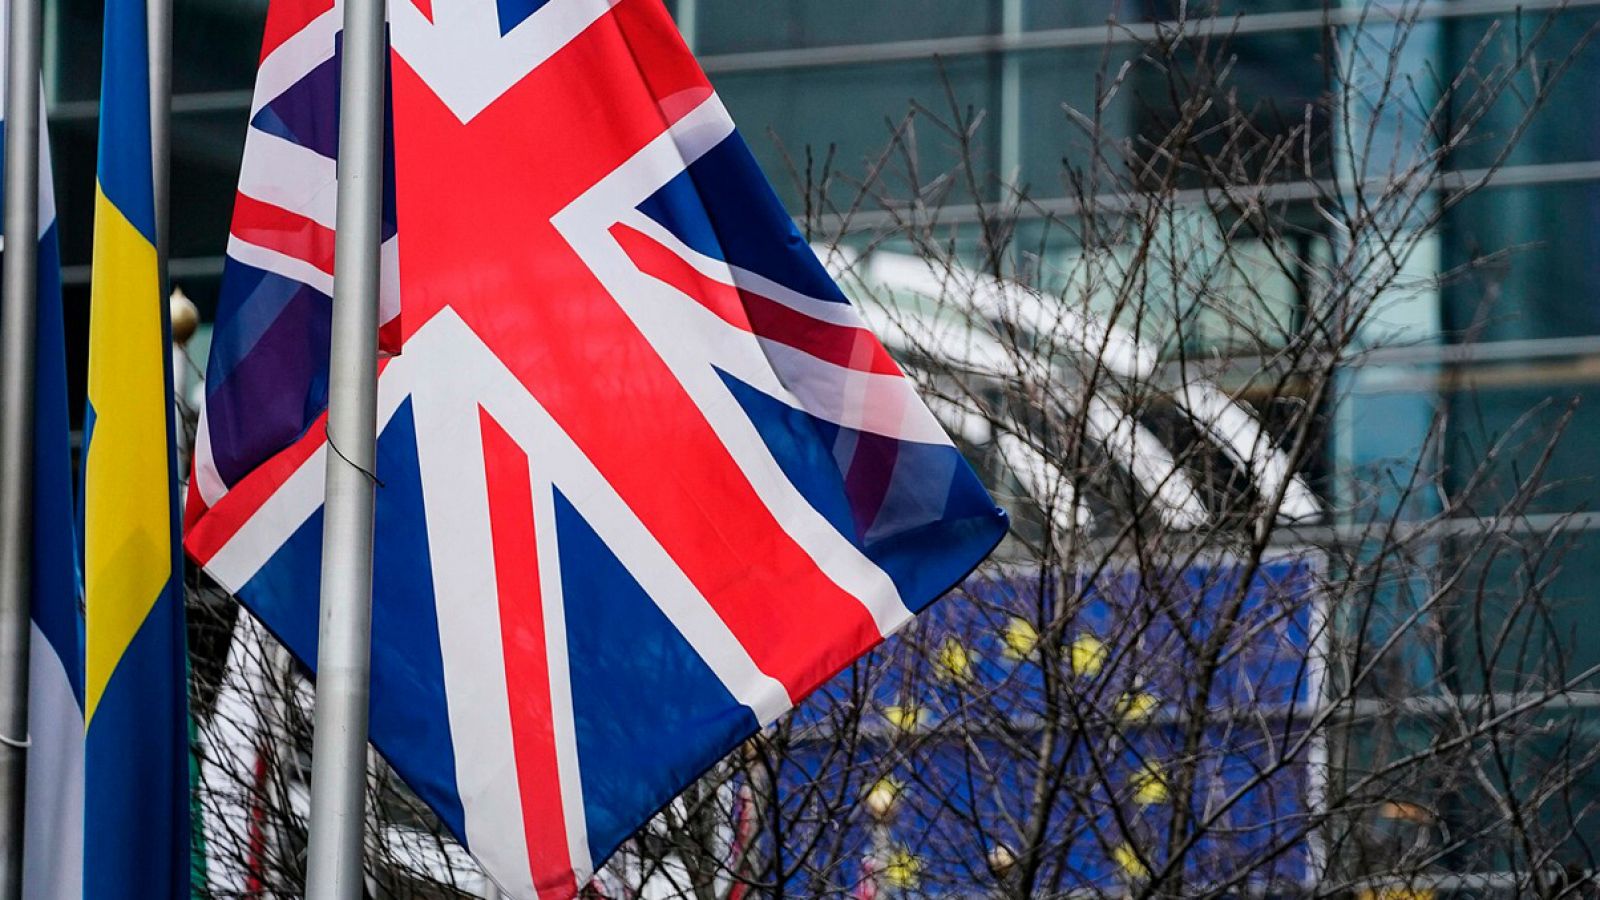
1509,347
818,85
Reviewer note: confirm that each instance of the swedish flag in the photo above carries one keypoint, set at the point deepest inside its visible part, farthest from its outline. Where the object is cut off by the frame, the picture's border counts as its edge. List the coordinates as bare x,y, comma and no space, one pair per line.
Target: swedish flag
136,781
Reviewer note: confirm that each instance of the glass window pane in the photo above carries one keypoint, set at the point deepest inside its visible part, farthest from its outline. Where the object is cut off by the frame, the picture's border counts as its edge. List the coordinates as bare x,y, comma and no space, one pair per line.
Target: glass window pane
848,113
1563,130
1043,14
75,316
1046,14
1538,270
1517,411
217,43
206,149
1505,426
1277,81
1274,79
72,49
1222,297
1524,613
1196,9
1052,139
73,150
1381,424
733,26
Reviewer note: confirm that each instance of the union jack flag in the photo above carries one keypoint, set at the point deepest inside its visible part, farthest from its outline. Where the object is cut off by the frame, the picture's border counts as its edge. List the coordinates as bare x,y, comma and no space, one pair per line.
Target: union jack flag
646,479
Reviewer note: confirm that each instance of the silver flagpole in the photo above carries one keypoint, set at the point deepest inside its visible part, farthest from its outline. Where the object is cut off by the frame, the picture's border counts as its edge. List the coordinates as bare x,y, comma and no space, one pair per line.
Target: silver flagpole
344,650
158,33
17,330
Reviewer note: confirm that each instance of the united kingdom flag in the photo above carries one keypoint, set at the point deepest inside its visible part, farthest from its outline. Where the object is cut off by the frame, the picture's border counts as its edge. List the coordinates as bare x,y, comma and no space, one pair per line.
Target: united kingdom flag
645,478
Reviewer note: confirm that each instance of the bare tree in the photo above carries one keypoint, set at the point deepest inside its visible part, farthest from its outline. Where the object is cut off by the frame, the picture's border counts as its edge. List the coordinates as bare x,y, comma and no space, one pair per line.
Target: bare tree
1214,658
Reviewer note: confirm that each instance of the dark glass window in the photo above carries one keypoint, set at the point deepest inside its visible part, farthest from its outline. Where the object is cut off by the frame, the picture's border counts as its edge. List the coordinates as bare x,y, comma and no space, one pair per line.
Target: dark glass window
844,116
1056,143
1564,130
1514,413
1048,14
1535,263
216,43
734,26
206,150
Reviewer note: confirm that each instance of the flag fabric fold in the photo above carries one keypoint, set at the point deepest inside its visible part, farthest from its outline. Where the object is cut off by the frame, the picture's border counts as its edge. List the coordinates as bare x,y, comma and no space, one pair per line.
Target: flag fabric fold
53,812
135,686
646,479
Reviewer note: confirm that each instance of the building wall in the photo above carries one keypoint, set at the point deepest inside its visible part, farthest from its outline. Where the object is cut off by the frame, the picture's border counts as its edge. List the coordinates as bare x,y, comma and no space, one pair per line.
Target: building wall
818,86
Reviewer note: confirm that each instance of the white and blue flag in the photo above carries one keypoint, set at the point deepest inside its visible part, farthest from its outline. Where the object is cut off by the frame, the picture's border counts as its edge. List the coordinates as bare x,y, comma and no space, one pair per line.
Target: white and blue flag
53,836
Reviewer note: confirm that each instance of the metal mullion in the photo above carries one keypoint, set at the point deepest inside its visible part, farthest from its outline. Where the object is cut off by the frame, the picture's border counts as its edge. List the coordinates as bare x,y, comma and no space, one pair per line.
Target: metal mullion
1531,175
1116,33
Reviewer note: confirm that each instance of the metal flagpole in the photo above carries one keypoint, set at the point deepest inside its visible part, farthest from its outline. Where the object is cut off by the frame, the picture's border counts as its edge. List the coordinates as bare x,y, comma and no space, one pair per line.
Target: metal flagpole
344,650
158,34
17,329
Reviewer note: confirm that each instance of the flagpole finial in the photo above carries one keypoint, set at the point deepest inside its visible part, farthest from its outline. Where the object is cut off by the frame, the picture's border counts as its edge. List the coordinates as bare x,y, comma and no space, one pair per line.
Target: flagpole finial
185,317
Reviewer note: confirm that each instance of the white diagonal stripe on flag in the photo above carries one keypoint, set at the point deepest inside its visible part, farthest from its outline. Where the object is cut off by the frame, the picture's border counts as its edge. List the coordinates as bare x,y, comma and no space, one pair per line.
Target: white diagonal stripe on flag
280,172
563,725
292,60
461,544
279,263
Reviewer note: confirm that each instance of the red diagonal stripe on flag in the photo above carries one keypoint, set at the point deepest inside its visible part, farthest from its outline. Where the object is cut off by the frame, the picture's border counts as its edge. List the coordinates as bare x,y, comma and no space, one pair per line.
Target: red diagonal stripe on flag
842,345
286,18
527,658
275,228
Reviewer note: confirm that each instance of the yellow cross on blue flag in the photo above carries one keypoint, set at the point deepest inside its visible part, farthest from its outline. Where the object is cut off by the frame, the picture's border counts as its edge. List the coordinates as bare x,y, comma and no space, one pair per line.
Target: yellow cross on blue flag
136,708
